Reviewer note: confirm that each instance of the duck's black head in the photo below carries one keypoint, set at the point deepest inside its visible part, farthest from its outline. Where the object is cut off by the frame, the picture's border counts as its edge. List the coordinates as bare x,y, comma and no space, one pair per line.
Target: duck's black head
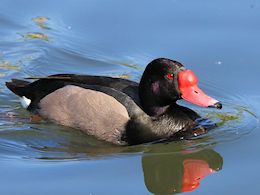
164,81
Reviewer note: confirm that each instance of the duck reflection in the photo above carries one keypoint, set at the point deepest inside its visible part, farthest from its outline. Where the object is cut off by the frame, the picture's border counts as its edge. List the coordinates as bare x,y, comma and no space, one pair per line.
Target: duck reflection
171,173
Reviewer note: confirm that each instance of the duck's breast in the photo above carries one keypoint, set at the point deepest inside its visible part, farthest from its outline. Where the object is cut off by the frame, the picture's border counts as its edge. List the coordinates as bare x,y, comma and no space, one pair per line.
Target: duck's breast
93,112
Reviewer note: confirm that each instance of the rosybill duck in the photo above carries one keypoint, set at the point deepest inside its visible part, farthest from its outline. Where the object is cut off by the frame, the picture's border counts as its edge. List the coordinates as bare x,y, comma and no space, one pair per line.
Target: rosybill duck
118,110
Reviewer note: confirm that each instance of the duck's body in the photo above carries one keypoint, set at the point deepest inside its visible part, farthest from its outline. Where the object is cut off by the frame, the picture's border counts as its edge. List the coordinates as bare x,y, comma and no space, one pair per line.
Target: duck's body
113,109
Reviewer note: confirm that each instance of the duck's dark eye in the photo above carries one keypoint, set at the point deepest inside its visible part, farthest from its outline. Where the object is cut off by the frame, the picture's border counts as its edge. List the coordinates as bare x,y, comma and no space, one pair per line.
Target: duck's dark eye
170,76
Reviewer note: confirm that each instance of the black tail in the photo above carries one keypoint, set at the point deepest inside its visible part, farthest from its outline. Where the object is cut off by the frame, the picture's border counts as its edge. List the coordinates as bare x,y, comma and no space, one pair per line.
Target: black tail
19,87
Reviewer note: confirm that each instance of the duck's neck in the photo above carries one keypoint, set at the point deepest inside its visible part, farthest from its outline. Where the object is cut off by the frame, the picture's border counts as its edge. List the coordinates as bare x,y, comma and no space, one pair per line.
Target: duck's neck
159,110
153,101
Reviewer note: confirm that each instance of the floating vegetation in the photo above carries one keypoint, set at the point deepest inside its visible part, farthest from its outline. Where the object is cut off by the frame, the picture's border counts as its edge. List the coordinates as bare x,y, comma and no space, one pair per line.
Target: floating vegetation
122,76
223,117
135,66
8,66
16,65
41,21
226,117
36,35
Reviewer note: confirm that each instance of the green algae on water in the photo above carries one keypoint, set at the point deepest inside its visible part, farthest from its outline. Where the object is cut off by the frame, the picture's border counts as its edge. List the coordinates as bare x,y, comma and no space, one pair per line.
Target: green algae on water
41,21
36,35
8,66
223,117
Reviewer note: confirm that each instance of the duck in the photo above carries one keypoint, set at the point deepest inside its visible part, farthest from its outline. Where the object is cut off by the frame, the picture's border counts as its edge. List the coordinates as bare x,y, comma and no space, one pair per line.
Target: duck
117,110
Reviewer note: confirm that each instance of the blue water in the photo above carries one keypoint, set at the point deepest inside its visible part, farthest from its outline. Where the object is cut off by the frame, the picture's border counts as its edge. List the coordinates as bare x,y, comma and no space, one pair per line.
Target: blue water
218,40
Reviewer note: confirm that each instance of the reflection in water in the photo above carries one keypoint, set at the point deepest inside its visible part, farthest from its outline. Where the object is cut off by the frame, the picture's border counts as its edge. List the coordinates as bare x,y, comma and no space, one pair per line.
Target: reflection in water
179,172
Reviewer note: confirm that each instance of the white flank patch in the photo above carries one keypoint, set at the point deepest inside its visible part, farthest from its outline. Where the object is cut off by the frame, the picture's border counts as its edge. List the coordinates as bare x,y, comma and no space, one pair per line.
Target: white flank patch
25,101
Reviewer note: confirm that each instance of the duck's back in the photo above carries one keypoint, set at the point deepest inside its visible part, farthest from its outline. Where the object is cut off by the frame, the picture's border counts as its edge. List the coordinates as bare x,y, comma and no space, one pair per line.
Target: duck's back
37,90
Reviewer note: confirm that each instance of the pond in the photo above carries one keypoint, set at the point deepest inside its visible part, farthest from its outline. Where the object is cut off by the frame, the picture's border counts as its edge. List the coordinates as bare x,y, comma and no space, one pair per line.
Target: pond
219,41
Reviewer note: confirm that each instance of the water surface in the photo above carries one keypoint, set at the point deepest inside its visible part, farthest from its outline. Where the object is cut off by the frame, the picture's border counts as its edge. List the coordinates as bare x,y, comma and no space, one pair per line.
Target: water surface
219,41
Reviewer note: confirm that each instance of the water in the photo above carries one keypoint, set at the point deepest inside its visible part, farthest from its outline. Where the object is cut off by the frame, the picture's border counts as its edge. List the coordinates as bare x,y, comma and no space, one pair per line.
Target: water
218,40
